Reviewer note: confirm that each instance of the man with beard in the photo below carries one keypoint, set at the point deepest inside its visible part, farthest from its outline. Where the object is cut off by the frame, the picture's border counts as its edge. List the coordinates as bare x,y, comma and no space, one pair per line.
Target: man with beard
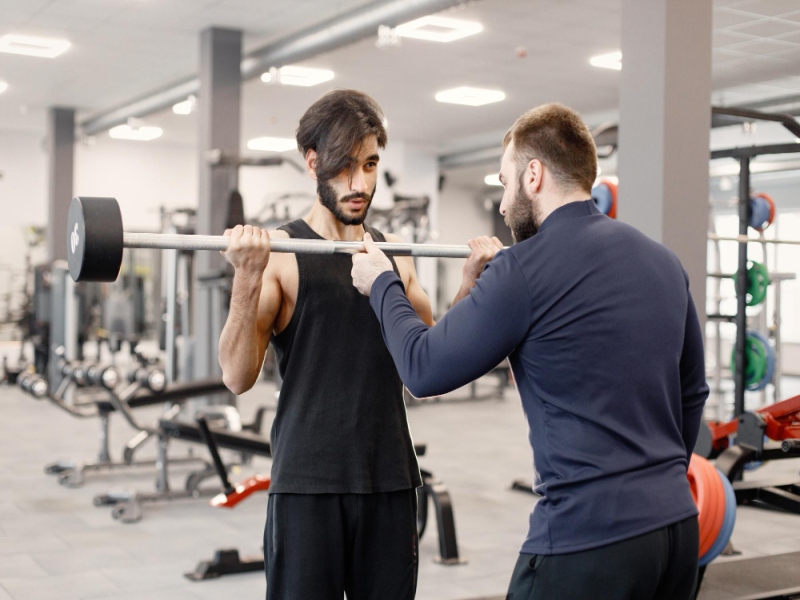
341,515
607,353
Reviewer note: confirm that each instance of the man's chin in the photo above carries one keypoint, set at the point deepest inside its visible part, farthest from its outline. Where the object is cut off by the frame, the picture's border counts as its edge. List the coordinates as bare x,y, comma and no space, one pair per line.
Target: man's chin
351,217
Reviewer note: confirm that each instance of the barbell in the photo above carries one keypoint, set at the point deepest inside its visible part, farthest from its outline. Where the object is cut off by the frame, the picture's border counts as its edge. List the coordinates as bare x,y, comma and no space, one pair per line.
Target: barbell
95,239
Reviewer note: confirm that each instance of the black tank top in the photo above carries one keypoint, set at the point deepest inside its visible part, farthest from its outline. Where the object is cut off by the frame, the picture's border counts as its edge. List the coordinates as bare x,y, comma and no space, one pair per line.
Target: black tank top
341,424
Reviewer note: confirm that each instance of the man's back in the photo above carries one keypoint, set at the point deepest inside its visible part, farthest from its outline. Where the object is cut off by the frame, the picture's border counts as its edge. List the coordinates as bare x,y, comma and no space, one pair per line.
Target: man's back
604,364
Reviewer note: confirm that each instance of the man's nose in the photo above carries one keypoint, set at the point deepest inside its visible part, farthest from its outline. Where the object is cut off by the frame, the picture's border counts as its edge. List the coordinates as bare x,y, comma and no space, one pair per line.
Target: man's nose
359,181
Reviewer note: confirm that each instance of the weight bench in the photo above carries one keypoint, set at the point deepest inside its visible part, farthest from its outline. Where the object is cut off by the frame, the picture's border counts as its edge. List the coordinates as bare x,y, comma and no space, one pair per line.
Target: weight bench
769,433
228,561
127,505
98,404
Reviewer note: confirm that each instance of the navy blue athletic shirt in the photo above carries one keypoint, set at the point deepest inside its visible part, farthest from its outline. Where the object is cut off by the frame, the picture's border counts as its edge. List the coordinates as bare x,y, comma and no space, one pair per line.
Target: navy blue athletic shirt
607,353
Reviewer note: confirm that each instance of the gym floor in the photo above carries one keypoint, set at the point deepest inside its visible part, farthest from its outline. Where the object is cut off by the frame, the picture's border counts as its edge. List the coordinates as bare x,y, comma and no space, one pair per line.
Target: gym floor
54,544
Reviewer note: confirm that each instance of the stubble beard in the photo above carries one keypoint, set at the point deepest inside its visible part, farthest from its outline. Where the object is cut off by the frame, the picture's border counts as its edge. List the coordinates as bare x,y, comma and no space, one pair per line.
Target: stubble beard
330,200
524,216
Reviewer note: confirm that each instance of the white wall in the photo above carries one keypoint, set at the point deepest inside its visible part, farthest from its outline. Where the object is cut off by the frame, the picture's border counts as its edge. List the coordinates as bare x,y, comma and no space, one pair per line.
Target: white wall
462,216
141,176
23,202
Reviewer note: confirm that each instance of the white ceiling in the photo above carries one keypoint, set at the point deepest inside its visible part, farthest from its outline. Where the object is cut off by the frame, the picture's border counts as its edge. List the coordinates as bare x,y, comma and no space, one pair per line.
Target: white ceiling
125,48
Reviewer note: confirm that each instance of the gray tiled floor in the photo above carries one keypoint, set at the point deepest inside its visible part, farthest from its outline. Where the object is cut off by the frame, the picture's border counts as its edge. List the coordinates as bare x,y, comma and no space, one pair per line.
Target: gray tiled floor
55,545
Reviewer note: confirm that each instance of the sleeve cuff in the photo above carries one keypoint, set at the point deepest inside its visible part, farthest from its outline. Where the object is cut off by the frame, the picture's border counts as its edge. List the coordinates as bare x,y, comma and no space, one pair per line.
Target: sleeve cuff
382,283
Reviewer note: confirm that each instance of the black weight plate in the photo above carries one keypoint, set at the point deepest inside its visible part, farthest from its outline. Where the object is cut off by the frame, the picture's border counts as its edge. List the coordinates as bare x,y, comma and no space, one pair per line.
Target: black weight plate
94,239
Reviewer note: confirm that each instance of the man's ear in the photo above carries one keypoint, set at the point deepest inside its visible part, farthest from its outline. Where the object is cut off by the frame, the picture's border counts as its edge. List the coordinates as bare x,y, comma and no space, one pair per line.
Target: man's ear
311,163
534,175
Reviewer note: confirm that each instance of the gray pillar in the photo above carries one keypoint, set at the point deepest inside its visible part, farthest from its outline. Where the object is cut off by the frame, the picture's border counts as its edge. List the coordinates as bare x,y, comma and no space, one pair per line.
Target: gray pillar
219,116
61,151
665,116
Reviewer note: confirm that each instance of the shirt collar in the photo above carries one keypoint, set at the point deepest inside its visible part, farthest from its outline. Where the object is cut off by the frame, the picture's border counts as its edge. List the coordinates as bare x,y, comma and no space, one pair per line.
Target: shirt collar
582,208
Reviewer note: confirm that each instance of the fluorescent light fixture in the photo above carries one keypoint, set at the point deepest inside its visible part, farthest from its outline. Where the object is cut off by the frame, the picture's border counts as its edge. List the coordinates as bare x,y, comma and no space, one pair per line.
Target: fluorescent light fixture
302,76
32,46
3,86
438,29
145,133
186,107
272,144
612,60
470,96
492,179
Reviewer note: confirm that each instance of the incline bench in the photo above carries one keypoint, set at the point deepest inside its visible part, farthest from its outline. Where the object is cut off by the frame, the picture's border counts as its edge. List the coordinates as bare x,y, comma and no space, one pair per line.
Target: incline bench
228,561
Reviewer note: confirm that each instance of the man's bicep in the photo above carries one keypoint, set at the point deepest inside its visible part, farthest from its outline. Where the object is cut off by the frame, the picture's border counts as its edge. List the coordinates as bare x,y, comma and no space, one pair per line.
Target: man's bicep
269,304
414,291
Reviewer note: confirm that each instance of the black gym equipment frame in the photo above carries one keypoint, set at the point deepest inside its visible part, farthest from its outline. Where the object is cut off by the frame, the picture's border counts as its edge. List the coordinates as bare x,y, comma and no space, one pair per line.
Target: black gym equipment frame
731,116
228,561
99,404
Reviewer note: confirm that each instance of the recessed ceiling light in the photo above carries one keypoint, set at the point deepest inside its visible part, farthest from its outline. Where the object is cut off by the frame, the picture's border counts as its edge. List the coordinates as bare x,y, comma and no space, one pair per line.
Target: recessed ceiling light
3,86
438,29
186,107
272,144
302,76
145,133
470,96
32,46
492,179
612,60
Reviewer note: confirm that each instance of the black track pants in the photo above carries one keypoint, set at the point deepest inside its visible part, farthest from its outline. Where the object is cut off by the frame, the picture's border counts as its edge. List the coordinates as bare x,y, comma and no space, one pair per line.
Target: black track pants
326,546
660,565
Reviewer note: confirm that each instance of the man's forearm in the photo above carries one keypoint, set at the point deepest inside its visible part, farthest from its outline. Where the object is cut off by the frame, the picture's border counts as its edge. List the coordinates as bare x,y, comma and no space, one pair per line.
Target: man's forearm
238,343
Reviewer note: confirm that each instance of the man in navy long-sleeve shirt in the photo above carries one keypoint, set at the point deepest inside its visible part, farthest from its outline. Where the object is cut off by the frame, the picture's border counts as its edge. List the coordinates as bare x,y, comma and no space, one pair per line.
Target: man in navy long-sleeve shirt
606,349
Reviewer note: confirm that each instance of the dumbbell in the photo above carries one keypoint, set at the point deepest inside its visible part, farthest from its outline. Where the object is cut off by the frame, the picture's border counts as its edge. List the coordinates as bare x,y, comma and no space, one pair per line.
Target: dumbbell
22,378
107,377
74,371
35,385
153,378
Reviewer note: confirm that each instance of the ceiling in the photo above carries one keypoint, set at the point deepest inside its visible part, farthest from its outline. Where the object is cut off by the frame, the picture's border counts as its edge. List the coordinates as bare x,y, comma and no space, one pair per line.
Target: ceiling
123,49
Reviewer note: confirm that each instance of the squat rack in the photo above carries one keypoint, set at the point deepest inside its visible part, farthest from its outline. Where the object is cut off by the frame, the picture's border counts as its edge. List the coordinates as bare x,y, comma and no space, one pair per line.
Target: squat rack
730,116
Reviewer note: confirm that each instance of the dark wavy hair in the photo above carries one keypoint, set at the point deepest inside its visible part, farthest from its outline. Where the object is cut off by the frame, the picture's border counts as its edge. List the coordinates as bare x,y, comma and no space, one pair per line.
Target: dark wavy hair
337,123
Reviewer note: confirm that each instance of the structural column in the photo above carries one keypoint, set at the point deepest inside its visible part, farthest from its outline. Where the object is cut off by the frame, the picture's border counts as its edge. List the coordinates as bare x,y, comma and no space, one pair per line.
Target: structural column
61,172
219,116
665,116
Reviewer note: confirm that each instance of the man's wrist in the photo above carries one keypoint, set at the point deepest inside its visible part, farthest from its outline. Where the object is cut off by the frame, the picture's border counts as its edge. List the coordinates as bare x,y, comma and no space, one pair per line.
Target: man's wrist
247,279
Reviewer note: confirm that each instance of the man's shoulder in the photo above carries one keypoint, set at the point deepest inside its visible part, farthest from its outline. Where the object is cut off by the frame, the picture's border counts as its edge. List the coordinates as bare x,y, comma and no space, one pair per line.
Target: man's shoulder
279,233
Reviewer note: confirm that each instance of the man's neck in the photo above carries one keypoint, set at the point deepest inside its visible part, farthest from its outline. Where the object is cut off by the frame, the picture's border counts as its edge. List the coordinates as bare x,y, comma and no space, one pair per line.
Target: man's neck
550,203
325,223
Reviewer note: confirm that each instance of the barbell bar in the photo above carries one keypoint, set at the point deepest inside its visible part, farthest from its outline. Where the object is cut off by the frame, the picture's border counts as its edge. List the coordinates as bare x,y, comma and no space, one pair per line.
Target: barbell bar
743,239
95,240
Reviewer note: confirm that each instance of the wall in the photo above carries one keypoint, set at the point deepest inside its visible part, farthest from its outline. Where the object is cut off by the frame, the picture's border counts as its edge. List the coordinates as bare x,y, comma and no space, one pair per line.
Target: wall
462,216
23,202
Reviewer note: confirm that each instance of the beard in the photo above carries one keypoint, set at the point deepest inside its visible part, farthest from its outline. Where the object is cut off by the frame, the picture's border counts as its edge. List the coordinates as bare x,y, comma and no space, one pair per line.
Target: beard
330,200
524,216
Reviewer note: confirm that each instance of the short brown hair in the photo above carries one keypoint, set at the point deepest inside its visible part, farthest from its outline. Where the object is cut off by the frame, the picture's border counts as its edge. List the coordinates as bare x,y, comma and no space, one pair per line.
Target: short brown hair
335,124
557,136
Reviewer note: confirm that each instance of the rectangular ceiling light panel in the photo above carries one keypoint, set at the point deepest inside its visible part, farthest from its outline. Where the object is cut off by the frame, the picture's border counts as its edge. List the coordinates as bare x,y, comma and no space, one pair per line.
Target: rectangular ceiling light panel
272,144
302,76
470,96
145,133
612,60
32,46
438,29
